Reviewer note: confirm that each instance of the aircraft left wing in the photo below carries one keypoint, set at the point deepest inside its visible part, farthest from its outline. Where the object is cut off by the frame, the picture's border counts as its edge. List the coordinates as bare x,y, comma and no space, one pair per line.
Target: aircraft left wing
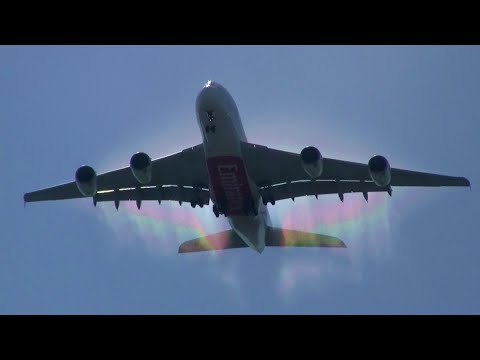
269,167
185,171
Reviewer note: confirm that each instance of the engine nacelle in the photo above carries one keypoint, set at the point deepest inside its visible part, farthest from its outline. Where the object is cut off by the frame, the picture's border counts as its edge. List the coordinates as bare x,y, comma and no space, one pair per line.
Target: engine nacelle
86,179
141,166
379,170
312,161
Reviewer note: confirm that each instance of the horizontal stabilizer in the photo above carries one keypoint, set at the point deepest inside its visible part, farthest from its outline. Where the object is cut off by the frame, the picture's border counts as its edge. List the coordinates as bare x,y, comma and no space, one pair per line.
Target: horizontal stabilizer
294,238
274,237
219,241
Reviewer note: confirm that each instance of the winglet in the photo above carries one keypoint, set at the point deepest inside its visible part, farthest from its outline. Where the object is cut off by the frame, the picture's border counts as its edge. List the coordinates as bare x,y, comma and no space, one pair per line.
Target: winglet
465,182
468,183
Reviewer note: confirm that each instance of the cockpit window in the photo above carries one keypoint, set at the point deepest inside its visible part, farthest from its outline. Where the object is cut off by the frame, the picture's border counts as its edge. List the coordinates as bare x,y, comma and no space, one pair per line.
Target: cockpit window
210,115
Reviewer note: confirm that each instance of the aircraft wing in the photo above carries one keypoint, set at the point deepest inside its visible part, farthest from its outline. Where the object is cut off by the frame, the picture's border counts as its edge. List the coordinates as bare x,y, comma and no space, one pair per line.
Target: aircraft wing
269,167
322,187
181,170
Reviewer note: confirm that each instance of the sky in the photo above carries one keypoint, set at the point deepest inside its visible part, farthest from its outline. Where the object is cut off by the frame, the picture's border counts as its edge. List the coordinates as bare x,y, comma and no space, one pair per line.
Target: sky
414,253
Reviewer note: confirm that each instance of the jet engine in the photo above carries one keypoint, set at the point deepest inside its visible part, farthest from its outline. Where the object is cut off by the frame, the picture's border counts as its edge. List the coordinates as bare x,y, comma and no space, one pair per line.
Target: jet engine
312,161
86,180
379,170
141,166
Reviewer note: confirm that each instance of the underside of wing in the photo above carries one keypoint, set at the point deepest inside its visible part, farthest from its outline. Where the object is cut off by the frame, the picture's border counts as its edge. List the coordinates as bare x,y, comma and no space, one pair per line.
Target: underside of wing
317,187
282,175
185,170
159,193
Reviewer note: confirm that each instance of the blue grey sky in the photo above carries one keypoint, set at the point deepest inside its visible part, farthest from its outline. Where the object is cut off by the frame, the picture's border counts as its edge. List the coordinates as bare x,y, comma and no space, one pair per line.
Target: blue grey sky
415,253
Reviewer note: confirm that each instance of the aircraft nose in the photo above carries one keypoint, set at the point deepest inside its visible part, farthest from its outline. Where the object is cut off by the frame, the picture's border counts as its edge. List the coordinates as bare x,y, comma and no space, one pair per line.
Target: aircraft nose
210,84
208,96
208,90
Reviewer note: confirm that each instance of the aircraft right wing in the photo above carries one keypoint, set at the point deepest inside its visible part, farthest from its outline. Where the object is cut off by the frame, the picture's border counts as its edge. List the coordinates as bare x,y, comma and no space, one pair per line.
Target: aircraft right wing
269,166
305,188
280,175
185,171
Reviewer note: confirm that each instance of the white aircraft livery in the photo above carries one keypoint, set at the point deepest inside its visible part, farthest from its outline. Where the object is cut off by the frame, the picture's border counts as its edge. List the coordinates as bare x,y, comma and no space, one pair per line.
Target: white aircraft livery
239,178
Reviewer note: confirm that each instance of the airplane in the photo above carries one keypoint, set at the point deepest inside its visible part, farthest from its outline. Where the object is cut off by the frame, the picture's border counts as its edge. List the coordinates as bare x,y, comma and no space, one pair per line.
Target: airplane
240,179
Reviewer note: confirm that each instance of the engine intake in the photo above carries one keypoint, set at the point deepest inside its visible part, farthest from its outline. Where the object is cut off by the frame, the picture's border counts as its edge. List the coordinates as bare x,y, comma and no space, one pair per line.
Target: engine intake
86,180
379,170
141,166
312,161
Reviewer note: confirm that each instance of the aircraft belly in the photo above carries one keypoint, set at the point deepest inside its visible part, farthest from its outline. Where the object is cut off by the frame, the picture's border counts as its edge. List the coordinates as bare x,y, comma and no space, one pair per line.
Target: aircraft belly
230,186
229,183
231,189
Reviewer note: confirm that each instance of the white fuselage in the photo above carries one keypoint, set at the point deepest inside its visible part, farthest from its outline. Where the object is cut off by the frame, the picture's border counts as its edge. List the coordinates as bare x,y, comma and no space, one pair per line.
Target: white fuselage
230,187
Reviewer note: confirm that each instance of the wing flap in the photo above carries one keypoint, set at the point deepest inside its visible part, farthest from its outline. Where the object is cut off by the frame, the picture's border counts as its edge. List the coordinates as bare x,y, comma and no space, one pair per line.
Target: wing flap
305,188
172,193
